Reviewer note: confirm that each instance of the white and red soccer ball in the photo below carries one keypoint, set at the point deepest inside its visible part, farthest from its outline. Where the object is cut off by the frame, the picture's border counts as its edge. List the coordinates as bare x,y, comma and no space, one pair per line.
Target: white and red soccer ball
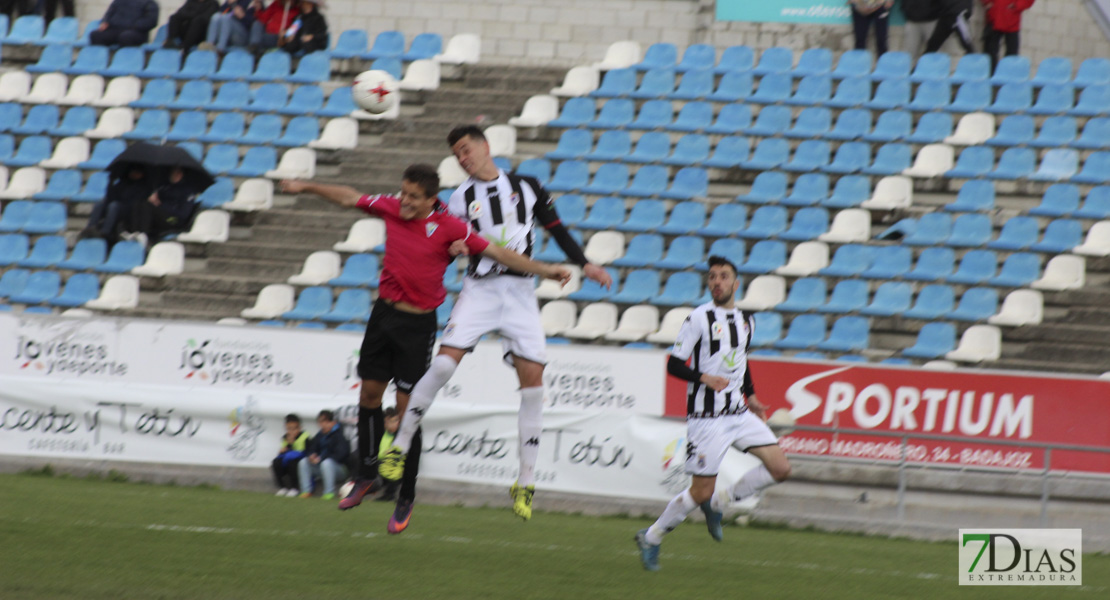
375,91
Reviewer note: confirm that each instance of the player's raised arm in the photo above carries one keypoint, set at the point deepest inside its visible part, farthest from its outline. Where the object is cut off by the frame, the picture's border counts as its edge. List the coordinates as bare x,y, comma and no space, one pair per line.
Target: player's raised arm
519,262
336,194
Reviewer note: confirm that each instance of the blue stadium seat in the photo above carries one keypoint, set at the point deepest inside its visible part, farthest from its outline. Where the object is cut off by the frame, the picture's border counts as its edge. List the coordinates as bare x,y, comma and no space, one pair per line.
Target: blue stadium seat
610,178
235,66
771,121
591,291
1059,200
656,83
733,119
774,88
695,85
930,96
54,58
848,334
850,157
614,114
814,61
806,294
1093,101
684,253
156,94
617,83
387,44
571,209
852,124
41,287
13,248
848,296
1012,98
739,58
734,86
805,331
768,187
163,63
688,183
976,267
340,104
1014,130
775,60
1058,164
1011,69
27,29
1056,132
808,223
933,264
693,116
931,128
13,281
312,303
1053,70
976,304
849,260
1060,236
195,94
63,185
350,305
891,298
853,63
152,125
1018,233
91,59
809,189
660,55
1096,169
644,250
931,229
685,217
199,65
768,328
654,114
221,158
731,249
650,180
32,150
971,97
97,184
691,149
79,289
270,97
770,153
264,129
1018,270
576,143
973,162
48,251
424,46
725,220
1092,71
933,301
577,112
1096,205
553,253
853,92
314,67
890,94
812,122
639,286
124,256
680,289
159,40
970,230
190,125
889,262
299,132
932,66
764,257
812,90
1054,99
75,122
352,43
891,159
62,30
976,196
39,119
606,213
7,147
891,126
538,168
256,162
11,113
273,66
125,61
81,42
810,155
389,65
972,67
87,255
730,151
1095,136
569,175
306,100
226,127
766,222
849,192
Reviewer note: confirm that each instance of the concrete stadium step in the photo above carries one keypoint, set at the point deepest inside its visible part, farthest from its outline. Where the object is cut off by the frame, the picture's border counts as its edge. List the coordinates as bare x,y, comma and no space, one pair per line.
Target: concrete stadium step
259,269
217,304
310,238
154,311
1050,365
228,285
253,250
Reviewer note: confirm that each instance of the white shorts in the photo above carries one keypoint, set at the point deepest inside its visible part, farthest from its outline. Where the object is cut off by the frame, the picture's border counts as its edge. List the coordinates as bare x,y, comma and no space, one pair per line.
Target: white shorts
708,439
505,304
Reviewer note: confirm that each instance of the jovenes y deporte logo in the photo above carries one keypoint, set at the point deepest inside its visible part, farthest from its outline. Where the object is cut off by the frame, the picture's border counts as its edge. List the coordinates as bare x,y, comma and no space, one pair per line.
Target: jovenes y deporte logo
71,355
1021,557
227,362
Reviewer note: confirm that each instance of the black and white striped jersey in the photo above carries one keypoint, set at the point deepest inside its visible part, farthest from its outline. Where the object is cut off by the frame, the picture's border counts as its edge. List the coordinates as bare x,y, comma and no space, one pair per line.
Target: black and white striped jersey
716,339
502,211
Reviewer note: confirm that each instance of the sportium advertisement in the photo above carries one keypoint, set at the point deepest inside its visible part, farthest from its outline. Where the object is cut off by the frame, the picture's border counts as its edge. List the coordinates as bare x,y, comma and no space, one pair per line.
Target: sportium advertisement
828,12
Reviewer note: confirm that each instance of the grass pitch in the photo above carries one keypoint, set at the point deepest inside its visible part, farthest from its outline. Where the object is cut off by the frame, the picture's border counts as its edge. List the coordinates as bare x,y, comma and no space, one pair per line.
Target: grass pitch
80,538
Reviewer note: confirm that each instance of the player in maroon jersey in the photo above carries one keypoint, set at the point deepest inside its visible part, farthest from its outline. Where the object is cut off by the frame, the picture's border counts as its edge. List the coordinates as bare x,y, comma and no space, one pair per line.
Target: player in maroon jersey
402,327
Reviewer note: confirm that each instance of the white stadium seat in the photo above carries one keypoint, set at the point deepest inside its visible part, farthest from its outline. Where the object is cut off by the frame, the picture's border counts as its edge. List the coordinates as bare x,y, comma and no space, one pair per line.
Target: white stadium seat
978,343
464,48
849,225
620,55
273,301
68,153
119,292
164,258
1097,242
933,160
549,288
84,89
501,139
1020,307
296,163
596,320
232,321
635,324
579,81
558,316
113,123
806,259
763,293
24,183
14,85
365,235
890,193
451,173
421,75
668,329
604,247
47,89
972,130
252,195
1063,272
537,111
208,226
121,91
338,134
319,268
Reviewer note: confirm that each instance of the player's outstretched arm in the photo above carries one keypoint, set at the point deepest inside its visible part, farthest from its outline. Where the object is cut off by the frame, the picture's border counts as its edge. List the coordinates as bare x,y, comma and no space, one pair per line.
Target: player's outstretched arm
519,262
336,194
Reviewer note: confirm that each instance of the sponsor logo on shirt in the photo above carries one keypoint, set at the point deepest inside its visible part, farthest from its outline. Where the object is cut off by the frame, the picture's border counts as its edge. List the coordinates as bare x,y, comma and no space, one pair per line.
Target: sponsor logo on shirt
430,228
718,330
474,210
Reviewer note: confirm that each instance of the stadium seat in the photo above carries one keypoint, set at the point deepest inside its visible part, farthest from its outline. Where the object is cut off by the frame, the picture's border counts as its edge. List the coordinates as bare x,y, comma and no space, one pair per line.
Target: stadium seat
1056,132
38,120
595,321
973,162
764,257
1063,272
79,289
339,133
610,178
733,119
639,286
694,85
1018,163
978,343
1059,200
272,301
931,128
650,180
655,83
96,186
891,126
424,46
1060,236
351,43
614,114
83,90
120,91
807,259
462,48
852,124
763,292
114,122
933,341
930,96
812,90
235,66
76,121
810,155
889,262
685,217
934,301
538,168
300,131
63,185
805,331
273,66
1096,205
164,258
350,305
40,287
734,86
933,264
579,81
1097,242
850,158
774,88
557,316
768,187
365,235
849,225
226,127
1093,102
576,143
850,191
848,334
729,152
853,92
976,304
24,183
1092,71
306,100
1012,98
736,58
654,114
312,303
892,298
932,160
971,67
659,55
975,268
771,121
312,68
158,93
620,55
252,195
1011,69
270,97
1053,99
769,154
808,223
264,129
1096,169
971,97
693,117
806,294
890,94
577,112
848,296
1014,130
684,253
208,226
606,213
731,249
691,149
680,289
604,247
1095,135
725,220
53,58
932,66
644,250
296,163
972,129
812,122
617,83
48,251
766,222
32,150
163,63
853,63
1018,270
688,183
571,209
1020,307
890,159
537,111
189,125
809,189
975,196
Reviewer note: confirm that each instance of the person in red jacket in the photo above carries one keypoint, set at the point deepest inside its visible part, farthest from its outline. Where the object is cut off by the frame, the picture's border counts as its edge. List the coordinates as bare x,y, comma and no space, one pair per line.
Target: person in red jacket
1003,22
270,22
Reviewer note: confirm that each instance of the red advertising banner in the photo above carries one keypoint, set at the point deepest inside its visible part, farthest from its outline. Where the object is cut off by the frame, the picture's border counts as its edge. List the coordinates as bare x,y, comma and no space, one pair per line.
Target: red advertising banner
976,407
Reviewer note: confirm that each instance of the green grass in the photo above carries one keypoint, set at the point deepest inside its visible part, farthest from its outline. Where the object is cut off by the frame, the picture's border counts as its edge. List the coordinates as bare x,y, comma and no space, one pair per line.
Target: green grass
94,538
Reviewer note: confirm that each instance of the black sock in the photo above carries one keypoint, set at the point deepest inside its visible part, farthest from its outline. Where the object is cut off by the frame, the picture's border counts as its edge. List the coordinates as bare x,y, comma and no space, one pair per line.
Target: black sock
371,424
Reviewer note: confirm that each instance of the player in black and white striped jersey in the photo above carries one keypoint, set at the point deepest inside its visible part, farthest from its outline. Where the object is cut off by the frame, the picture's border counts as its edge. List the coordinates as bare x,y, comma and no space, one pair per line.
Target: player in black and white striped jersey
721,411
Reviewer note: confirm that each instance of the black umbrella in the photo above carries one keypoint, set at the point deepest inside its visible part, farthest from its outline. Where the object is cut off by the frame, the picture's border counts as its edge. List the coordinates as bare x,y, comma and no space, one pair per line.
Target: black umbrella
149,155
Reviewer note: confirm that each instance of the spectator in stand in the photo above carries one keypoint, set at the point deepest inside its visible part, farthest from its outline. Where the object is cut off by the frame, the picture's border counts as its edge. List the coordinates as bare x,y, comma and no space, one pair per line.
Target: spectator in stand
169,209
189,25
230,26
327,458
1003,22
954,17
294,443
12,7
921,20
866,13
126,23
270,22
50,8
122,196
309,32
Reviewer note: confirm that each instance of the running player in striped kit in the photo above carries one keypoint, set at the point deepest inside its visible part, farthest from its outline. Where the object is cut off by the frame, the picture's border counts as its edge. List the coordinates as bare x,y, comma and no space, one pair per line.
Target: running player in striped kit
402,327
503,207
721,411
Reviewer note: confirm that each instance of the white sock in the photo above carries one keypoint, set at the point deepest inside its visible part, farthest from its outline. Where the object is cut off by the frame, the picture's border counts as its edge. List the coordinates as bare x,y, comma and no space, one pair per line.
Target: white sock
421,398
752,483
675,513
530,426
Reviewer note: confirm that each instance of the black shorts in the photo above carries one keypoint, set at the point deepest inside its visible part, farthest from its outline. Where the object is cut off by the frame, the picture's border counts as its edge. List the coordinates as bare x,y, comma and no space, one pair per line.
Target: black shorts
397,346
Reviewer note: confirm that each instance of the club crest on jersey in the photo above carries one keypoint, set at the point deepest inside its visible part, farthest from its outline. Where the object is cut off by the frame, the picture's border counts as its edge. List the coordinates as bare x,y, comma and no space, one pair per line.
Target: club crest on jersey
474,210
430,228
717,330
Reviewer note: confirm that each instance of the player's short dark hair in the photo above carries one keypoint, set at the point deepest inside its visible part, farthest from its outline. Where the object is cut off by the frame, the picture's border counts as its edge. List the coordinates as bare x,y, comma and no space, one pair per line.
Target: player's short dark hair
423,175
462,131
719,261
292,418
390,412
327,415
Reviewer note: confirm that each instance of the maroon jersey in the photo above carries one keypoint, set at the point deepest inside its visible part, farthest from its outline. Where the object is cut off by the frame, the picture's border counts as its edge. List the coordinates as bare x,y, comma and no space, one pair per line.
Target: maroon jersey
416,251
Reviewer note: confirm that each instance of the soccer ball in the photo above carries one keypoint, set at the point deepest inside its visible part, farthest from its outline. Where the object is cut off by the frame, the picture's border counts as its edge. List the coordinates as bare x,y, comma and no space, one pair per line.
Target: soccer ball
375,91
346,488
